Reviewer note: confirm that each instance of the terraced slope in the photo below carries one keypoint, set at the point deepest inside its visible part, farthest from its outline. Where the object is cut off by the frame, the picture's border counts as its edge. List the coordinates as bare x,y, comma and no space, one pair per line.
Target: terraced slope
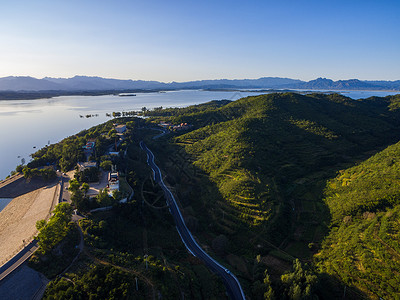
268,157
363,247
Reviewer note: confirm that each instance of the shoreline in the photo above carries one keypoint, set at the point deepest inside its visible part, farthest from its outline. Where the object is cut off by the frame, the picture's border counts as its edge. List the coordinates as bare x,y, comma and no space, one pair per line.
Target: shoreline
11,159
37,95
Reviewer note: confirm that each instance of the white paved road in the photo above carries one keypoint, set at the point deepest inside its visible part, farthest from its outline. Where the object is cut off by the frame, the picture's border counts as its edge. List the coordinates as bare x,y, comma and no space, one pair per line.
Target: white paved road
232,284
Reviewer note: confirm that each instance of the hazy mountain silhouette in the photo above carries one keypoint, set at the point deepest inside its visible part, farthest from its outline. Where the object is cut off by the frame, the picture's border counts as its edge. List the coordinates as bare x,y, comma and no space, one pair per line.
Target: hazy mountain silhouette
19,83
86,83
351,84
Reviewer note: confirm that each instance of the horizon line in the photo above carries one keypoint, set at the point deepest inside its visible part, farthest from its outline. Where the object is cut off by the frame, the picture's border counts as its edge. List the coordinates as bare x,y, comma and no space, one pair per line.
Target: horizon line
194,80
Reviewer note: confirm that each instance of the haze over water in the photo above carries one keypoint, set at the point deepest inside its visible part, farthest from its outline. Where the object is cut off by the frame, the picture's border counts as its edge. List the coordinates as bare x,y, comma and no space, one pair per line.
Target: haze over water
33,123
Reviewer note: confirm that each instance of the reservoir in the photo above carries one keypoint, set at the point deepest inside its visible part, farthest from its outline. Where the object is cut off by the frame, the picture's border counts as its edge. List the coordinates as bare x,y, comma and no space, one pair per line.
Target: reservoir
28,125
4,202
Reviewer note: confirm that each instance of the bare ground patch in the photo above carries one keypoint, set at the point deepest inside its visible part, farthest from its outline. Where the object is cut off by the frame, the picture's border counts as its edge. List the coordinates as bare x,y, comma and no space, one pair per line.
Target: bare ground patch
18,219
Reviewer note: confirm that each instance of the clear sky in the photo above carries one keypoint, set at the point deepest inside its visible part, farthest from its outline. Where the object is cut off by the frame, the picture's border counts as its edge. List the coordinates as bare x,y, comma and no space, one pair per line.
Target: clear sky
191,40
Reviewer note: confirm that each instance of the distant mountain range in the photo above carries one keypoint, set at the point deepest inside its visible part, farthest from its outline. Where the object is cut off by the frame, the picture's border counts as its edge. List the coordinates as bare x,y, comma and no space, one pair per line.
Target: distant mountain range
85,83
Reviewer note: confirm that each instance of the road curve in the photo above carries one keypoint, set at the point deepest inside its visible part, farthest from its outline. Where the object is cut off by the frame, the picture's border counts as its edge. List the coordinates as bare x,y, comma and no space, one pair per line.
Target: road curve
232,284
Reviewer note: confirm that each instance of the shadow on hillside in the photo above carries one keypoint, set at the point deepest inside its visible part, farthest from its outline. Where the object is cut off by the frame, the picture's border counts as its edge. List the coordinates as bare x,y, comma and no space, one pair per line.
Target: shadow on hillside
183,179
300,163
23,186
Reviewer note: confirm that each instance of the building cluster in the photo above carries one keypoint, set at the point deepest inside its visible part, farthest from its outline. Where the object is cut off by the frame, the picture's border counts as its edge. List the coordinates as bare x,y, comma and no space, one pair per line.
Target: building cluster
182,126
112,182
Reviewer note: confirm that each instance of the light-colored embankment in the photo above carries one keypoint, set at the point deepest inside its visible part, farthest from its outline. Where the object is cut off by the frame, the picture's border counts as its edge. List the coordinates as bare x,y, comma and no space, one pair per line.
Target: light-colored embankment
18,219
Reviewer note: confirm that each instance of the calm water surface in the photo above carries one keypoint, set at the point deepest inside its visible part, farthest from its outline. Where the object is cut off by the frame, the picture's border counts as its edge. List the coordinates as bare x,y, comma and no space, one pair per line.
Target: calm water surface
4,202
28,125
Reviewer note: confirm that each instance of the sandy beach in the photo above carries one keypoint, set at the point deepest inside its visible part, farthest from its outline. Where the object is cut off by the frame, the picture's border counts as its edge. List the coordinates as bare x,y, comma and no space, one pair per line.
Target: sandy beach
18,219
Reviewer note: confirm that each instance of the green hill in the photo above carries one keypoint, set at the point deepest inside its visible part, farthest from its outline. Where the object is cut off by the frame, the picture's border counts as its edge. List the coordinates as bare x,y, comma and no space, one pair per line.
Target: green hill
363,247
261,181
255,169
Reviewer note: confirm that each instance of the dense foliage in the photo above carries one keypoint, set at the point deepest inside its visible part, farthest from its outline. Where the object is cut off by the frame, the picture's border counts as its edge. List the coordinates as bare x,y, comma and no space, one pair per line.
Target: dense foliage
134,243
52,263
45,173
100,282
250,177
53,231
67,153
299,283
88,175
363,248
259,150
262,164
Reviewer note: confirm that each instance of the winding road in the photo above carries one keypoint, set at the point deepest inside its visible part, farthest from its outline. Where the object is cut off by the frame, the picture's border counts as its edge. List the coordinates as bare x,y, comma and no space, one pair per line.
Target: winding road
232,284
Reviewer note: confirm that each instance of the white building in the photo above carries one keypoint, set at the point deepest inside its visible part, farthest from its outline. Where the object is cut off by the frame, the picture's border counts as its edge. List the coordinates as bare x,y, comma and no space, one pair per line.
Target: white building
113,182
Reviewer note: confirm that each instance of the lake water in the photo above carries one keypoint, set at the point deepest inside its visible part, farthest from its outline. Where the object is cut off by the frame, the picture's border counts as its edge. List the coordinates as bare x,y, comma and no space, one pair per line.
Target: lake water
4,202
27,125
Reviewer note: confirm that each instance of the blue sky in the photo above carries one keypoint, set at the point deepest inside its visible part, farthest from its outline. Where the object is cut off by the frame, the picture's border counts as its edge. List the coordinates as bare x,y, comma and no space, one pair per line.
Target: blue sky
191,40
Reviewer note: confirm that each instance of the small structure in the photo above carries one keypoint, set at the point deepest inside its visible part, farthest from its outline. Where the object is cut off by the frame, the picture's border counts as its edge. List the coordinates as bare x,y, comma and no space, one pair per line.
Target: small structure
182,126
165,125
89,146
120,128
113,182
86,165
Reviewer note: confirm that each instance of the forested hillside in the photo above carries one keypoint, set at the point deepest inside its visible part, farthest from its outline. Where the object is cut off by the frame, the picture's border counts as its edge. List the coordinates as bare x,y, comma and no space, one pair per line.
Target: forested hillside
256,168
363,247
296,194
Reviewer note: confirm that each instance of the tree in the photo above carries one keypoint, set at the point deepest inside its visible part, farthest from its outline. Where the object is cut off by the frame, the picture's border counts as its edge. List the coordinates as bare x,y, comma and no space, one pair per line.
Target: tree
263,290
56,228
64,209
27,172
130,124
106,165
117,195
269,292
48,174
80,201
74,185
299,283
112,132
103,198
85,188
40,224
87,175
77,197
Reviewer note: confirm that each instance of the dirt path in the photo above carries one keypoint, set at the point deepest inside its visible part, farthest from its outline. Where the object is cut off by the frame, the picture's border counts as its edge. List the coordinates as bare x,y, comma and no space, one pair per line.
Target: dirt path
18,219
